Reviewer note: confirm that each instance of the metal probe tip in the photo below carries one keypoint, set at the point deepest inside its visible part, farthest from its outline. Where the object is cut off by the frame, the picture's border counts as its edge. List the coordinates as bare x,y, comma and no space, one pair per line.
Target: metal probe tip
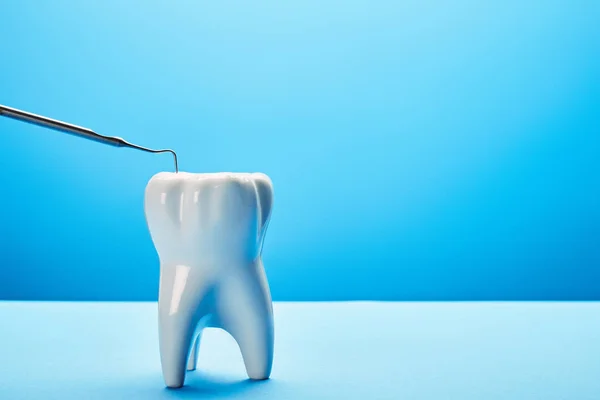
135,146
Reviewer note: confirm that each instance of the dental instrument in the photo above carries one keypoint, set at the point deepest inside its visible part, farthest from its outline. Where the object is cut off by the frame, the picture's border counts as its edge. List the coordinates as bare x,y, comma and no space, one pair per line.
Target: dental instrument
86,133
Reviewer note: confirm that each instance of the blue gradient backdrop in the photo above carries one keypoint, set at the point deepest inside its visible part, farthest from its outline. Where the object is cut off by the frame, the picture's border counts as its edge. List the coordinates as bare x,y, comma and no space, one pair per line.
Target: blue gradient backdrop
419,149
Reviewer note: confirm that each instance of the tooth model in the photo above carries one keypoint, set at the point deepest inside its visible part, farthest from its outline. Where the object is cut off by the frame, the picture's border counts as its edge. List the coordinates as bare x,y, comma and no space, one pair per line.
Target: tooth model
208,231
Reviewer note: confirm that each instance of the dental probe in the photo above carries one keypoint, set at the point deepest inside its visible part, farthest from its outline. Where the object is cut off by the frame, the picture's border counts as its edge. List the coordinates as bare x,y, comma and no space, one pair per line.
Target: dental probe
77,131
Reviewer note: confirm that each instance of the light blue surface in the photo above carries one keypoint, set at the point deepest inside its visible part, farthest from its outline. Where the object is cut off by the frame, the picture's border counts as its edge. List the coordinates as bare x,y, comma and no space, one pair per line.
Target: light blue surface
419,149
393,351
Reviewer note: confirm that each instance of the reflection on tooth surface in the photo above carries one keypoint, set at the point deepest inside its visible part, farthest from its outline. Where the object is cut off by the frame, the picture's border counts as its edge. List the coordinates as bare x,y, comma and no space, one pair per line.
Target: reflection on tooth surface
210,266
181,275
181,207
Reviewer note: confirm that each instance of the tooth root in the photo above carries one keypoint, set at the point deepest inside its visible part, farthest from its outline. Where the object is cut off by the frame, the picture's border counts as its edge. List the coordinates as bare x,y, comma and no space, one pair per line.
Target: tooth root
179,311
246,313
175,339
193,358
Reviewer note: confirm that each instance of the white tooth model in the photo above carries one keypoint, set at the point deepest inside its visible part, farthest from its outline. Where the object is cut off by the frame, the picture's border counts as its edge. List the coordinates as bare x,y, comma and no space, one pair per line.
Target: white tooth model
208,231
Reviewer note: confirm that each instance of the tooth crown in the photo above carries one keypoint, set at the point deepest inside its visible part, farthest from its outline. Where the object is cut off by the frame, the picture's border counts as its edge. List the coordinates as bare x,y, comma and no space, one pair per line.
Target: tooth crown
208,231
212,217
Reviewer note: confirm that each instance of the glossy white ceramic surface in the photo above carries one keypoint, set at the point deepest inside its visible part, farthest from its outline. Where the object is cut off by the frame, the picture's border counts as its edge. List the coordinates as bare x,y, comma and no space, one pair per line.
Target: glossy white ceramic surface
208,231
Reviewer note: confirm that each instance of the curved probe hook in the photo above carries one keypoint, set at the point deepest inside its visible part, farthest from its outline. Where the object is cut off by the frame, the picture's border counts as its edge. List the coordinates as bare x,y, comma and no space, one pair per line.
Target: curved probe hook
148,150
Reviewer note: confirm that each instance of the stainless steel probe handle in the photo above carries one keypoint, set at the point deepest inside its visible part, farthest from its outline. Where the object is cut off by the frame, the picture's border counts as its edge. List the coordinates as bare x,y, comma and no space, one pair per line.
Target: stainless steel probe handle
46,122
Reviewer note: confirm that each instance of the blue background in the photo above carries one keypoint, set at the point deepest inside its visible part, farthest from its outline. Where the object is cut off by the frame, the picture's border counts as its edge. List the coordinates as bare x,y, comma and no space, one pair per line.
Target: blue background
419,149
